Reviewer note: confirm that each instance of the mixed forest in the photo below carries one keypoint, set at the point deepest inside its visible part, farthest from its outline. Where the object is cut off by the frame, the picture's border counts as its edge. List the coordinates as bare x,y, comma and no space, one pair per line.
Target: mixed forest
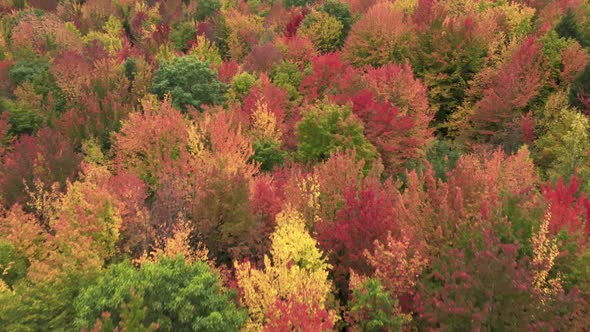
294,165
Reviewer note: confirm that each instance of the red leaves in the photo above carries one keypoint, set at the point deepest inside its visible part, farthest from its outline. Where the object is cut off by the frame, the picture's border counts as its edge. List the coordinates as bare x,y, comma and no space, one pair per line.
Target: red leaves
516,83
388,130
294,315
475,289
46,156
326,69
396,84
569,210
574,60
367,216
293,24
227,70
266,92
262,58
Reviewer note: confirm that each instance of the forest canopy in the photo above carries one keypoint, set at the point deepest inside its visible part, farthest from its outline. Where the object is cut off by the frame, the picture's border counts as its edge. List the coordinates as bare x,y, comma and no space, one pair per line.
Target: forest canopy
294,165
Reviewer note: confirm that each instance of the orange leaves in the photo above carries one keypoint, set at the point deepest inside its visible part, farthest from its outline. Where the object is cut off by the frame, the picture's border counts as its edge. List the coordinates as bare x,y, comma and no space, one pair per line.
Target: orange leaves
153,143
398,264
380,36
24,232
230,148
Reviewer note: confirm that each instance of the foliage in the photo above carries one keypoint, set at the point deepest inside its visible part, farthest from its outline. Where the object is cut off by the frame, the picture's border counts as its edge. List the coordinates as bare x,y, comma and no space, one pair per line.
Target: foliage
340,11
580,91
447,64
206,9
296,273
323,29
567,26
379,37
486,287
391,132
365,218
175,294
355,165
153,141
206,51
516,83
43,305
47,157
565,145
189,82
328,128
262,58
374,309
297,3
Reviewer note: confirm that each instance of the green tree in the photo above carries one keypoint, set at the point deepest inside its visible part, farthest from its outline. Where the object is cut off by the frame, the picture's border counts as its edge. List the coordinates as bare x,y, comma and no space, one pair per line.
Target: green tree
13,267
181,34
373,308
268,154
241,85
327,128
340,11
324,30
287,75
43,306
189,82
565,145
177,296
297,3
580,90
207,8
568,27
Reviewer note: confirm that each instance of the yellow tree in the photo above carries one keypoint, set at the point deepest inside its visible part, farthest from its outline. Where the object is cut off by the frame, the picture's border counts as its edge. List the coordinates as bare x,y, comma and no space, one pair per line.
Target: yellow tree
297,272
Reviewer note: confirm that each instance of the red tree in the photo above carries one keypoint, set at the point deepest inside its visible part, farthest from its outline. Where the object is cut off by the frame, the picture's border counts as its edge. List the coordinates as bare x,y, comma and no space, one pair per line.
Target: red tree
569,209
516,83
47,157
389,130
367,216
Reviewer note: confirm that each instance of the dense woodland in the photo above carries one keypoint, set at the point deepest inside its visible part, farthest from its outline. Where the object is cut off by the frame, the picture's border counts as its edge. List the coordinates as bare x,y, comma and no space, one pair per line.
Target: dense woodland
294,165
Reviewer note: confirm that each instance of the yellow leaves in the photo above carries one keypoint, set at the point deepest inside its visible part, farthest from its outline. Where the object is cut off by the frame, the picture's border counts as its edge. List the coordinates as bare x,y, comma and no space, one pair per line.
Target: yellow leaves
166,53
178,245
310,187
195,142
297,266
565,145
264,124
206,51
110,38
545,251
90,212
292,243
23,232
324,30
240,26
407,6
518,17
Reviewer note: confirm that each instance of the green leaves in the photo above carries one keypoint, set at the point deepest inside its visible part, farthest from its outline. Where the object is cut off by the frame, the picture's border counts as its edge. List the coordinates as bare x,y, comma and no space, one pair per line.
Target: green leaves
327,128
189,82
173,294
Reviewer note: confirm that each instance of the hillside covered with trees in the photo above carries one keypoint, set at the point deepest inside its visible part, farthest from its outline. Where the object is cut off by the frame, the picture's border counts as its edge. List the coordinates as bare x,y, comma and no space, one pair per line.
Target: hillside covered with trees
294,165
